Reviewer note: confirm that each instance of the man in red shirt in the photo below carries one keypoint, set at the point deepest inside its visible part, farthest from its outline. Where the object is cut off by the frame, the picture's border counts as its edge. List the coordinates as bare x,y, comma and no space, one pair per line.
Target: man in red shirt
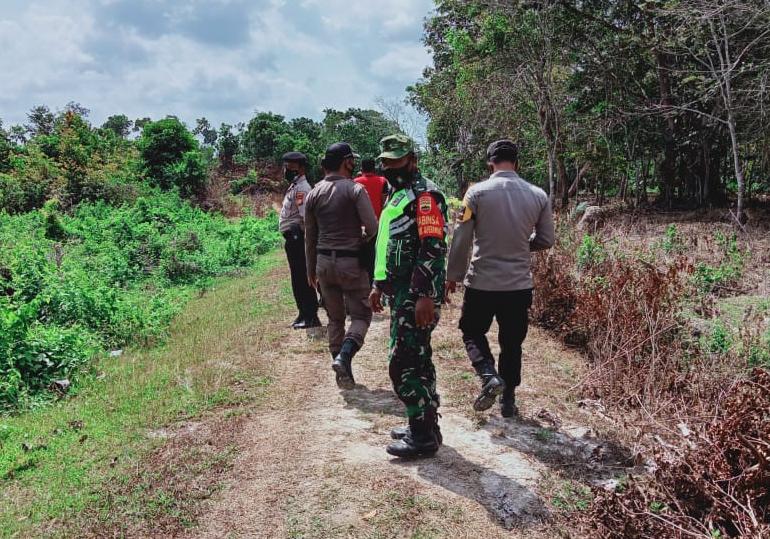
377,189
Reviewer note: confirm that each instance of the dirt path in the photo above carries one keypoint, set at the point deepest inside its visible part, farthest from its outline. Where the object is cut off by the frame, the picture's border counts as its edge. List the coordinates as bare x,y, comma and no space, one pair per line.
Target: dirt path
311,461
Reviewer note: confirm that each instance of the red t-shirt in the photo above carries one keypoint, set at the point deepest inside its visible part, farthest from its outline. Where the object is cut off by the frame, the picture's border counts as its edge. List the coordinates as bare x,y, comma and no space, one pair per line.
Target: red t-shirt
376,187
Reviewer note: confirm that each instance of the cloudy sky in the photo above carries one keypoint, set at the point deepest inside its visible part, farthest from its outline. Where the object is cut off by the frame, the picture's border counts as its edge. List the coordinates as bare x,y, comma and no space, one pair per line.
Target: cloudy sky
222,59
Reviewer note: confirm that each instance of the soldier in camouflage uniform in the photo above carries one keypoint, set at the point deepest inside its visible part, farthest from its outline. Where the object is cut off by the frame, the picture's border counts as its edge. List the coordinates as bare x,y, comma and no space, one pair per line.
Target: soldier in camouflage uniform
410,270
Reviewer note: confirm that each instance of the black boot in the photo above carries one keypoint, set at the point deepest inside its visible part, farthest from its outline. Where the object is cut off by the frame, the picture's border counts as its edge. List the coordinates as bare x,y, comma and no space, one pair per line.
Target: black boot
422,439
307,322
491,385
508,403
296,321
342,364
399,433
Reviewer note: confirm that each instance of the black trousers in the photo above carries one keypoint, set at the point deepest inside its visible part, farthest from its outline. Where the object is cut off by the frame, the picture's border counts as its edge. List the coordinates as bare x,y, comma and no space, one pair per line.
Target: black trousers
304,295
510,309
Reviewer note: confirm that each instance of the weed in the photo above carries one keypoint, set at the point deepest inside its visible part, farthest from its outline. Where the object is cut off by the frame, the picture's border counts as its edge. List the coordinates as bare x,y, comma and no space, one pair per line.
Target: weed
672,241
572,497
591,252
720,340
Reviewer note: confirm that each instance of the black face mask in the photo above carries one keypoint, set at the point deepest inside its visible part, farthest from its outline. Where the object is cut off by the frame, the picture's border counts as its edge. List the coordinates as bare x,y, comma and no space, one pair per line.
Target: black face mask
398,177
290,175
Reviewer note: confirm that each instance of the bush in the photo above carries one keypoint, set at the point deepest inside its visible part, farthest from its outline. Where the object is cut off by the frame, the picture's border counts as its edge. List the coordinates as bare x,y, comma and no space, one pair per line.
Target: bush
717,488
171,157
103,277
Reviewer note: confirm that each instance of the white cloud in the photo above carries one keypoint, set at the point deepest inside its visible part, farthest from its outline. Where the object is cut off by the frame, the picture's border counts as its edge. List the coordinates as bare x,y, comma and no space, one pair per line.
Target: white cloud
294,59
403,61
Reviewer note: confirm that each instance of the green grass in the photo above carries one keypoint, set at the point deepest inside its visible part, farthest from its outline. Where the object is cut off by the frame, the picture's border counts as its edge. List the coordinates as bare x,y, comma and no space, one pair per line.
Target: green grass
54,461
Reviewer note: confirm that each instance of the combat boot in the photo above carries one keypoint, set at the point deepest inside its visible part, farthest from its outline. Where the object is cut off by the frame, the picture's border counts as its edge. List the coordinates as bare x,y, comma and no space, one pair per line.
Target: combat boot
508,403
399,433
342,364
491,385
421,441
296,321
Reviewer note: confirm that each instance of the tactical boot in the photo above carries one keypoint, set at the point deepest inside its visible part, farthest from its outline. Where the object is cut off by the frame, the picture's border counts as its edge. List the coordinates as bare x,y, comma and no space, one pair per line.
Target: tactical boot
399,433
296,321
421,440
508,403
342,365
491,385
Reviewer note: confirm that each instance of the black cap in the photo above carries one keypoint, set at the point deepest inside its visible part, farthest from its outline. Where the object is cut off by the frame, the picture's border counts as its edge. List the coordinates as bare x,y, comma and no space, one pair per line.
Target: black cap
340,150
504,150
295,157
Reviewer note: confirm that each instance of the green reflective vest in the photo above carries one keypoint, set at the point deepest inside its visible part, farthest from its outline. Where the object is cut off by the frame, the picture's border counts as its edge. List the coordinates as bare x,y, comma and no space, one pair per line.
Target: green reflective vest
392,221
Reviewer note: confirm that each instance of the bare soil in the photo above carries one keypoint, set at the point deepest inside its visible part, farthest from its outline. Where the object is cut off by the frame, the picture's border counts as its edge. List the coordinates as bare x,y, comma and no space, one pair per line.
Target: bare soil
311,459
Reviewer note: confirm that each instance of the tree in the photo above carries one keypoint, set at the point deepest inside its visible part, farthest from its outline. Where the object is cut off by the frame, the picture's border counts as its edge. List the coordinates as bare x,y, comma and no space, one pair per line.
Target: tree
361,128
260,140
228,144
5,149
205,131
41,121
171,157
139,123
118,124
729,41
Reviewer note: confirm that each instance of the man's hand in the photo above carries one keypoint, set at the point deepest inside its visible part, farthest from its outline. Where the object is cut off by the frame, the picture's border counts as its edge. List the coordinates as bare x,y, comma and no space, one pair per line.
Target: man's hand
312,280
425,313
375,300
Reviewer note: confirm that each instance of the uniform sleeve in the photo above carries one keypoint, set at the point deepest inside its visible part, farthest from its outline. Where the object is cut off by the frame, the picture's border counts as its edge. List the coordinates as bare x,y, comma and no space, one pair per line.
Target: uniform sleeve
366,212
430,267
462,240
300,196
311,235
544,230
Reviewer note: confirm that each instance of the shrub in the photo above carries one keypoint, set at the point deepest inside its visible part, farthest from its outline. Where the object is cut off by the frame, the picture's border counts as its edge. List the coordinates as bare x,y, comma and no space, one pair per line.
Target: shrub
717,488
171,157
102,277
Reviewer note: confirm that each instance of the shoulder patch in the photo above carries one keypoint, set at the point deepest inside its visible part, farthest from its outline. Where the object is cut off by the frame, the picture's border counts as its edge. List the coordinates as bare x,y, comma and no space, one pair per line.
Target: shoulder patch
299,198
430,220
426,204
466,212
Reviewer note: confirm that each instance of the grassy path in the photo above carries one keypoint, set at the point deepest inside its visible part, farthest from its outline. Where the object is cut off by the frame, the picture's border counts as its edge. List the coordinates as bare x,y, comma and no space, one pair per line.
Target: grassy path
236,429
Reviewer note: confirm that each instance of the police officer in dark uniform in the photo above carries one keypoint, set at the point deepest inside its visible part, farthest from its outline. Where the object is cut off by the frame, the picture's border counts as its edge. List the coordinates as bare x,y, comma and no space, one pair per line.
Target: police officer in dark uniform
291,224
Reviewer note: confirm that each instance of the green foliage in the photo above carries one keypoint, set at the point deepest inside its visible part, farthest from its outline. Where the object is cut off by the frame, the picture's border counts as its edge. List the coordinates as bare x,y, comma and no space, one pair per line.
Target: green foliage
262,136
720,339
103,277
572,497
171,157
710,278
250,179
572,83
591,252
227,144
672,241
119,124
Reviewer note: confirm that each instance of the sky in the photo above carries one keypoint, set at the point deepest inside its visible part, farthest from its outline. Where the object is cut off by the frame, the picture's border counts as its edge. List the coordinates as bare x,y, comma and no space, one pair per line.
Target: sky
222,59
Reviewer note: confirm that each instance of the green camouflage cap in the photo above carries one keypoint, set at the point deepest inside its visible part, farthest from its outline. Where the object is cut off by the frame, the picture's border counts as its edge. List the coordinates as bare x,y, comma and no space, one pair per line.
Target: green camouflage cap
395,147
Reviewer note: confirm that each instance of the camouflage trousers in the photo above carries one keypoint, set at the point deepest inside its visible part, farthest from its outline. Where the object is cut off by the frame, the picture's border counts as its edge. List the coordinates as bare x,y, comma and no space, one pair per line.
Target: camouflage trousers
411,367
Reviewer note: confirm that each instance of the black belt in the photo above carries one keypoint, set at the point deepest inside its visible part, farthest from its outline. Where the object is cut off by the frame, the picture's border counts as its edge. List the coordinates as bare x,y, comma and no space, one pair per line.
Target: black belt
339,253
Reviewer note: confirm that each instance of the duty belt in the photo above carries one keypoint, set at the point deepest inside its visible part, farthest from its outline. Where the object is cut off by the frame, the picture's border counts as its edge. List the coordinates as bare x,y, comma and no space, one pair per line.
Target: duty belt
339,253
